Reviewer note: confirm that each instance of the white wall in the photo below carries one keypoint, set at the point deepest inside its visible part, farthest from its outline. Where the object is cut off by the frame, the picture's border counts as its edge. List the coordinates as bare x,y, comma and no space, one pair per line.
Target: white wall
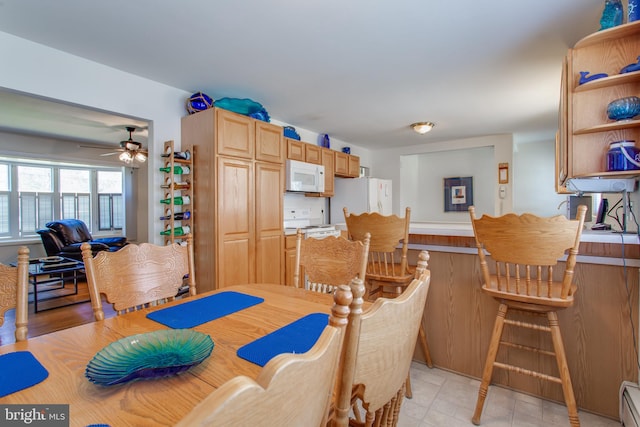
534,179
455,158
35,69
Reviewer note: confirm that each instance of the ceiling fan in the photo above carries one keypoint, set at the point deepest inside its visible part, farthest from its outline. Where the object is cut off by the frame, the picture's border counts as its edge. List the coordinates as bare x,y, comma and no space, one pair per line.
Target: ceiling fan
130,150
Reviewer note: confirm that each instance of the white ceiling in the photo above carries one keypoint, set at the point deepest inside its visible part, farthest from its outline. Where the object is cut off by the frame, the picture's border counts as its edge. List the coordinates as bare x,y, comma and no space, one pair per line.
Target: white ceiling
359,70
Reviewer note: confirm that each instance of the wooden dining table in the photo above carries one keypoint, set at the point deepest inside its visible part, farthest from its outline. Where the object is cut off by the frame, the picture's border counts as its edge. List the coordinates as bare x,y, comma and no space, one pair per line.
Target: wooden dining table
162,401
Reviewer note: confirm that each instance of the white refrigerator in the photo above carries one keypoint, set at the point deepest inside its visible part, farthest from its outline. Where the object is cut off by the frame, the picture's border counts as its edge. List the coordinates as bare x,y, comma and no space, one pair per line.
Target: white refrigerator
360,195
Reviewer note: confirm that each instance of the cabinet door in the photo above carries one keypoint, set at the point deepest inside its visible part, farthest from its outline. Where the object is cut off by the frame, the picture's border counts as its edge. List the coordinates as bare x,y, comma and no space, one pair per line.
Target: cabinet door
269,251
327,162
269,142
290,259
235,223
562,148
295,150
341,163
312,154
235,134
354,166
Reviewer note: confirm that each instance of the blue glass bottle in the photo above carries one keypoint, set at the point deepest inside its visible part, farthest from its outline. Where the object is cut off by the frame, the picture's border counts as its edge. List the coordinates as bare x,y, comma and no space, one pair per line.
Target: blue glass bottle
612,14
634,10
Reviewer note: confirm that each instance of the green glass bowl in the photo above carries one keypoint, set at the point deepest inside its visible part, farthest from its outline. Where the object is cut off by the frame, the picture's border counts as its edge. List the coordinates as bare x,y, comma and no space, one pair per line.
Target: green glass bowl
151,355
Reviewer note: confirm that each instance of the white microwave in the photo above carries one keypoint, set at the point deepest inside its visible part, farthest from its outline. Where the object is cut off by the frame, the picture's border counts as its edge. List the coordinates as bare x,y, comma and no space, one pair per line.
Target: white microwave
305,177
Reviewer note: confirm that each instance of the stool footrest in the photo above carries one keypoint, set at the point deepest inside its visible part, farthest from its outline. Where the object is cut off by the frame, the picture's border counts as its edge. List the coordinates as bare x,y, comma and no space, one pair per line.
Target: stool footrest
528,348
527,325
534,374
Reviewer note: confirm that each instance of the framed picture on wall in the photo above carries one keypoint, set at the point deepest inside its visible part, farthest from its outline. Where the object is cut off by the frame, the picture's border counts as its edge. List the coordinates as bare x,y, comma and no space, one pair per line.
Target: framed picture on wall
458,194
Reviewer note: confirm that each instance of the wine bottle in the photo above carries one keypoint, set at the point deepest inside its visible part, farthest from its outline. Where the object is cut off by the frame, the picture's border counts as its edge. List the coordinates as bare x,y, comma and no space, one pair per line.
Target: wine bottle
178,216
180,155
178,231
180,200
177,186
178,170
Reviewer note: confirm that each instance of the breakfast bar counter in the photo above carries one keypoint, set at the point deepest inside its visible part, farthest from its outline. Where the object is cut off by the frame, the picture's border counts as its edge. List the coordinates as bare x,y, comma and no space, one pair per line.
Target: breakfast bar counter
597,329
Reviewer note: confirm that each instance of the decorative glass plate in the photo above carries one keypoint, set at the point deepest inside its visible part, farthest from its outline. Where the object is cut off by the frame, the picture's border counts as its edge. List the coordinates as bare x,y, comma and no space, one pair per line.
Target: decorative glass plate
151,355
51,259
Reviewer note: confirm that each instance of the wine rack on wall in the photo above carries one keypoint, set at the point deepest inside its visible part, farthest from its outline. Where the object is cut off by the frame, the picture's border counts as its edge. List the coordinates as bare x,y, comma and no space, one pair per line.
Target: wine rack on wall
178,193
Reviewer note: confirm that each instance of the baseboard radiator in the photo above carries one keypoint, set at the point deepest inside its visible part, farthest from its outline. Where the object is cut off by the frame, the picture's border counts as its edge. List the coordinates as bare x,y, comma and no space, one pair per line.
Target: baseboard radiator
629,404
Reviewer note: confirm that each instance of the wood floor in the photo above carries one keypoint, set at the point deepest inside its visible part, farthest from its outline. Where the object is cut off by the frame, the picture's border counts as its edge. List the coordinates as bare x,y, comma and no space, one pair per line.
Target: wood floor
54,319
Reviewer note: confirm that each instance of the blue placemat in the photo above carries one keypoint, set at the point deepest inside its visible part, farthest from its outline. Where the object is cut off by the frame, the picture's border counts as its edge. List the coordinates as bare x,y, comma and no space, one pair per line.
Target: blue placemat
197,312
20,370
296,337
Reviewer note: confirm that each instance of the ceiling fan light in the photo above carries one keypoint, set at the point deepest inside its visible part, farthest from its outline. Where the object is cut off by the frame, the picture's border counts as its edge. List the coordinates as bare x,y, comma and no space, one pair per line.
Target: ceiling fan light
422,127
126,157
141,157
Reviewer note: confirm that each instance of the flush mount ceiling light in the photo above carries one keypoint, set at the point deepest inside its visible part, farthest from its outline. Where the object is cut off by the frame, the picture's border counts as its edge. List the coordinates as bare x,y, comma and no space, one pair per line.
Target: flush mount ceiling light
422,127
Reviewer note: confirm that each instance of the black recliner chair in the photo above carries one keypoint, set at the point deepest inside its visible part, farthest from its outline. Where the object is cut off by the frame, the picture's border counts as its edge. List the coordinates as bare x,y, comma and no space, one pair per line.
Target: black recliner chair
64,238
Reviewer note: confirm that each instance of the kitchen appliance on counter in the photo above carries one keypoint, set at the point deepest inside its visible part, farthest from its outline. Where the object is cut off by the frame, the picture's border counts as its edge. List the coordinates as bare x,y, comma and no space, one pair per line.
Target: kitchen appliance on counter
360,195
301,218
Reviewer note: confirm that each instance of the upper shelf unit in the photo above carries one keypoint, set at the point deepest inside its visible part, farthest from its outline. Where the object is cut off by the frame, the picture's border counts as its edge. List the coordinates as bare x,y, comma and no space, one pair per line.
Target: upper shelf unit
585,130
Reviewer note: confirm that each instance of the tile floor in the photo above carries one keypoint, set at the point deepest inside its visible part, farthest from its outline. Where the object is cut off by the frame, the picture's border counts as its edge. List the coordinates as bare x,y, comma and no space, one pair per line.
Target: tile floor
444,399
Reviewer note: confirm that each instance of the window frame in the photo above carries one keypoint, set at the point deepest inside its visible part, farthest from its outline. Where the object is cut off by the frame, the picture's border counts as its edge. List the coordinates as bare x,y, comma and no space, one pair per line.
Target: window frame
17,231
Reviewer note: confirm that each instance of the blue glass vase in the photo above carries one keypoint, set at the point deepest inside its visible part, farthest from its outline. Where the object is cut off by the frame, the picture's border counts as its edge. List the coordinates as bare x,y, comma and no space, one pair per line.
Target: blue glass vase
634,11
612,14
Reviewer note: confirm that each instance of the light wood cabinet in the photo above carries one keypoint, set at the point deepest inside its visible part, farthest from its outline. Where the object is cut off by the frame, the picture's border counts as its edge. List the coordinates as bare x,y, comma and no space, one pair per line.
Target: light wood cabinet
329,172
295,149
354,166
313,154
240,174
346,165
290,259
585,131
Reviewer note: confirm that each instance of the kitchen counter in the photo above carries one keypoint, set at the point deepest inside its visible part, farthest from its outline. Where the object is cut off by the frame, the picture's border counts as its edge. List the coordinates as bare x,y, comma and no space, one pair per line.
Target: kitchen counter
461,229
596,247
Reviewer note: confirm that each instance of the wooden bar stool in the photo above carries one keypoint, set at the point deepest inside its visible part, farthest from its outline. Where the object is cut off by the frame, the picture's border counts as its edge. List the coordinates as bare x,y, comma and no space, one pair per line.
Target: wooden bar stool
524,250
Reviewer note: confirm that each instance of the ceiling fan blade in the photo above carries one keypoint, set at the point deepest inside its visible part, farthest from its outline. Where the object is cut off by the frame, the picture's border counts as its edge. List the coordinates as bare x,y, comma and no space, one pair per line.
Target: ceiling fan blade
96,147
108,154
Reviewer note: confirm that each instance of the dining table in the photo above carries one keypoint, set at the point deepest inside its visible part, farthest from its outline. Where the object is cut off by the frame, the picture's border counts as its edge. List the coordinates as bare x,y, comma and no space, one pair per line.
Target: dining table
65,354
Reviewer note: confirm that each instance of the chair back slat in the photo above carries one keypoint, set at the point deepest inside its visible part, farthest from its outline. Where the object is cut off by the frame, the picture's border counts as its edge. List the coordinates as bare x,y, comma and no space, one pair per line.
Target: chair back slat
525,248
328,262
138,275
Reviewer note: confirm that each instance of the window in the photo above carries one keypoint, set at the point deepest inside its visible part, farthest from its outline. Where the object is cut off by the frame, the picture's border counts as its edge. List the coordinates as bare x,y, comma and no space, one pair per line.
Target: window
33,194
111,206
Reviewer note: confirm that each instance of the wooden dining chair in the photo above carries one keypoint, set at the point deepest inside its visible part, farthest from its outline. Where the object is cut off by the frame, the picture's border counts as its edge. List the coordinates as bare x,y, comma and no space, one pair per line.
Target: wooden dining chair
523,251
388,272
377,353
138,276
323,264
388,266
291,389
14,285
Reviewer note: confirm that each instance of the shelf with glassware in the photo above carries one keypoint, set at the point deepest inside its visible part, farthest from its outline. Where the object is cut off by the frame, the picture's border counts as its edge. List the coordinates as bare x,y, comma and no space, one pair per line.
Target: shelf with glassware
600,69
178,193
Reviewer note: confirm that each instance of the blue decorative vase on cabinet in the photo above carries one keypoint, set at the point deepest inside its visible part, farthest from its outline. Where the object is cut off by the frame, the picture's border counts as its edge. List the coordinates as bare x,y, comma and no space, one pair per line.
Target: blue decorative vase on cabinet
611,15
633,13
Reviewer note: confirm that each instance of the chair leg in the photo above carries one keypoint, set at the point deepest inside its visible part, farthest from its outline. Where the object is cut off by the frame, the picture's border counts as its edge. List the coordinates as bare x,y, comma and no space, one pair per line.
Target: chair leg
425,347
488,365
407,387
567,388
